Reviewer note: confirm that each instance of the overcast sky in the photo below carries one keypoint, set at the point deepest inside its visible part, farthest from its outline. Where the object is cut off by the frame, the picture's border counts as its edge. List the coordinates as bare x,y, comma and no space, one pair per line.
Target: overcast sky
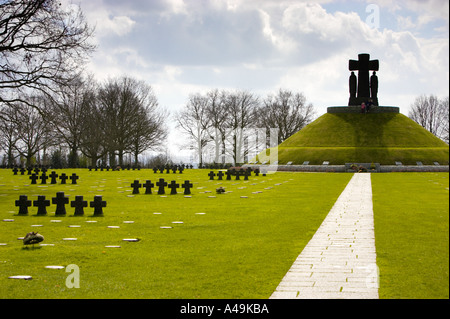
181,47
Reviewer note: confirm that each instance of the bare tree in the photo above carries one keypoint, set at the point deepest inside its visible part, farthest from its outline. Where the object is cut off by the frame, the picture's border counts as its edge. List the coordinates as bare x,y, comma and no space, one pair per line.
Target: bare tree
31,129
66,111
148,131
42,44
445,120
194,122
218,115
92,135
241,107
8,134
131,118
432,114
286,111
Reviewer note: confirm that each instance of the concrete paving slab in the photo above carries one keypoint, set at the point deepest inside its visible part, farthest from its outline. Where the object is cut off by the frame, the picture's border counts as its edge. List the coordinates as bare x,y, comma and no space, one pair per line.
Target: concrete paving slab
339,262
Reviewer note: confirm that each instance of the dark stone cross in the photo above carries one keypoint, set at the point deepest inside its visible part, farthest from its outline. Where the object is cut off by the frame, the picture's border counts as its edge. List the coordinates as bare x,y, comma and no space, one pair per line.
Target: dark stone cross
23,203
63,178
220,175
43,178
161,184
60,200
155,170
173,187
136,186
187,187
363,65
180,169
15,170
30,170
79,205
98,205
229,173
22,171
53,176
238,173
246,175
74,178
33,178
148,186
211,175
41,203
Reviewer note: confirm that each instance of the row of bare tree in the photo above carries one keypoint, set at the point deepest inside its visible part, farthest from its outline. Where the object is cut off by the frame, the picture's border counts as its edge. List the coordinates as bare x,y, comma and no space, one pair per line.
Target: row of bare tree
226,120
118,117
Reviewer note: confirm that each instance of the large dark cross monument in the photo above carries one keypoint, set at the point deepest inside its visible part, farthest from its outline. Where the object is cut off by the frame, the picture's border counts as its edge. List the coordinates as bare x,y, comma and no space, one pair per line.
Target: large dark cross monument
365,88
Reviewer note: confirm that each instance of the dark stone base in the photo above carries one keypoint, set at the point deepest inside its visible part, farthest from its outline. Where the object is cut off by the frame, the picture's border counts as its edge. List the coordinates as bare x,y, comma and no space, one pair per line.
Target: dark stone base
347,168
357,109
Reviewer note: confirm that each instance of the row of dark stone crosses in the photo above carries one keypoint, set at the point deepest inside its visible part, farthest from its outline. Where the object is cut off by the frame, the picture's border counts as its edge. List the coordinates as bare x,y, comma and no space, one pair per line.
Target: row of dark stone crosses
44,177
161,184
187,185
60,201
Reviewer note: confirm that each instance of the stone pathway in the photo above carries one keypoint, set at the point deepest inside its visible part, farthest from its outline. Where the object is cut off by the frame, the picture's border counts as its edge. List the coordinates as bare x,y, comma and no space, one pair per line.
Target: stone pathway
340,260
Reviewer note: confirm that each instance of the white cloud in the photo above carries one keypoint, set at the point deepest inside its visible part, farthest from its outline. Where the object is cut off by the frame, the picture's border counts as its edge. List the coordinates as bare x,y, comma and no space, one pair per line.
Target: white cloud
265,45
405,23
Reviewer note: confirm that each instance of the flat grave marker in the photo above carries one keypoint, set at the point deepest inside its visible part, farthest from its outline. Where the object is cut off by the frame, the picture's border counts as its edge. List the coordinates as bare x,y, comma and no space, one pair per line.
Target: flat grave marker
25,277
131,239
55,267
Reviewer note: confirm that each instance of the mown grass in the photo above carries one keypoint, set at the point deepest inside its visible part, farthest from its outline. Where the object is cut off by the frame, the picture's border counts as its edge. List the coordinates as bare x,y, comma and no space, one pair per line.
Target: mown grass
239,248
411,212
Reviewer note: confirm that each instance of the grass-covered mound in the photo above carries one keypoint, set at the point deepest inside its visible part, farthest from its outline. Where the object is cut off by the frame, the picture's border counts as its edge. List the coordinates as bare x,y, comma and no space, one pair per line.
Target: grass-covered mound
362,138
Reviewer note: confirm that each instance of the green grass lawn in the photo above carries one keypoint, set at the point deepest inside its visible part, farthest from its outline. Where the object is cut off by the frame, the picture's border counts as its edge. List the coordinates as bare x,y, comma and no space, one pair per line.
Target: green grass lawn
411,212
239,247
